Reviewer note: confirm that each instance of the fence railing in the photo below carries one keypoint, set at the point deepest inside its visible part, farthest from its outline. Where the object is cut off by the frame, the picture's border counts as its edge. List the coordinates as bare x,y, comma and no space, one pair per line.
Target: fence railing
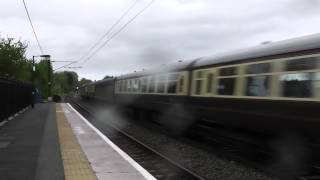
14,96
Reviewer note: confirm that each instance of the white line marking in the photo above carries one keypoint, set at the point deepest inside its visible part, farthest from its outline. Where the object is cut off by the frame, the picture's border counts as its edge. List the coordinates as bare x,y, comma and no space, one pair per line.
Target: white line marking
139,168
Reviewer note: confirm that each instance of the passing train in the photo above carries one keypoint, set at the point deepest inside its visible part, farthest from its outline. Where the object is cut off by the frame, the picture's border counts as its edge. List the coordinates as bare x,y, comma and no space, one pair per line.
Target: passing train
271,88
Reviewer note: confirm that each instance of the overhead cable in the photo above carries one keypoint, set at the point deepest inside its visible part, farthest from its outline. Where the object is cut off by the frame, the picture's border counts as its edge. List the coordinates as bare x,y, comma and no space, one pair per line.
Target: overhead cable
109,30
65,65
117,32
34,32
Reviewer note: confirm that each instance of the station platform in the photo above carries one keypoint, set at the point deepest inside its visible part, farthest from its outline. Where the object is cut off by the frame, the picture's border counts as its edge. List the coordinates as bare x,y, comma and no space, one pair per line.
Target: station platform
54,142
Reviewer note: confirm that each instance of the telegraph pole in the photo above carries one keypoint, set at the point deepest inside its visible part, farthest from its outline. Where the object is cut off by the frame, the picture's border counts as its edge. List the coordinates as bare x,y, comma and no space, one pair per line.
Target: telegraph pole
32,81
49,78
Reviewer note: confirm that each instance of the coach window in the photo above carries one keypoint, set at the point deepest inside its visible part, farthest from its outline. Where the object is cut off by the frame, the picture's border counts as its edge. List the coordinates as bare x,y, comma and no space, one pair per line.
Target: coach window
302,64
199,78
152,84
297,85
125,82
259,68
123,88
210,79
257,86
132,85
229,71
172,83
181,84
257,80
139,85
144,82
126,85
161,83
316,83
129,85
135,85
227,79
226,86
300,83
120,85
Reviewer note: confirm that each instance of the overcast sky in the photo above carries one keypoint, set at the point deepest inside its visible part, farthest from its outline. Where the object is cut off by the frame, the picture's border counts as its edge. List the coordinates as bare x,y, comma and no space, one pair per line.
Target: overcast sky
168,31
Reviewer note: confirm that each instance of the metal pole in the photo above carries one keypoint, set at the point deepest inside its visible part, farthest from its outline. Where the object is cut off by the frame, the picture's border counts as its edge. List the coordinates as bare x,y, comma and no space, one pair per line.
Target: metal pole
49,79
32,77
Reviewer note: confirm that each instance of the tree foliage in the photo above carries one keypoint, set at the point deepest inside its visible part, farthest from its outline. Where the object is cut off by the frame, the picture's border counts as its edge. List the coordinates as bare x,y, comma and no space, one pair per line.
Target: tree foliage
43,68
65,82
107,77
84,81
13,62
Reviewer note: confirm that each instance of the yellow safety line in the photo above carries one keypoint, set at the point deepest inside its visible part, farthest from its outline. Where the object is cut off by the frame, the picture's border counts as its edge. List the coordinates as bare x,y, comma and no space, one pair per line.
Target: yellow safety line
76,165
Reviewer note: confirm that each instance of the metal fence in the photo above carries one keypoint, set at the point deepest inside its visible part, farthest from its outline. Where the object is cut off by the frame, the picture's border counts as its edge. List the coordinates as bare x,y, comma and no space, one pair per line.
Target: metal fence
14,96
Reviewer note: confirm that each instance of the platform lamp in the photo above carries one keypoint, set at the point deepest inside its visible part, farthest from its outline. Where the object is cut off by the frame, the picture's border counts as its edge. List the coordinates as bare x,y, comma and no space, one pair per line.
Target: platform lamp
33,74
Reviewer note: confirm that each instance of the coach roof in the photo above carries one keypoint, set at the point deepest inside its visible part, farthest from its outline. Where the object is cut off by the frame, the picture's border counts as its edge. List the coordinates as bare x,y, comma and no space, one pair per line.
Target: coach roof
178,66
274,48
264,50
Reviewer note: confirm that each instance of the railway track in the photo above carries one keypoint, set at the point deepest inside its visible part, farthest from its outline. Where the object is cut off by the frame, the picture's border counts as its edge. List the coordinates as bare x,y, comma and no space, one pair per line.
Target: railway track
247,152
256,153
160,166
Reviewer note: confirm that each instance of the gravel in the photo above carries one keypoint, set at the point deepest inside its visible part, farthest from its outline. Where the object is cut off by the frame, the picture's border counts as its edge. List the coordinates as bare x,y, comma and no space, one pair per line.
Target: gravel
207,164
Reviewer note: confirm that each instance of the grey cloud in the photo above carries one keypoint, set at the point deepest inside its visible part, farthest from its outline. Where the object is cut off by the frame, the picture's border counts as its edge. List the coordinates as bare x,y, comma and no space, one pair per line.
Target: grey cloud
168,31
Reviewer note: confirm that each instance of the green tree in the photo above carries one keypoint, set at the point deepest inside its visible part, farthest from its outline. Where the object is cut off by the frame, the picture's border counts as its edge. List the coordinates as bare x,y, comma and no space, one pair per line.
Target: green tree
84,81
13,62
65,82
25,71
43,68
107,77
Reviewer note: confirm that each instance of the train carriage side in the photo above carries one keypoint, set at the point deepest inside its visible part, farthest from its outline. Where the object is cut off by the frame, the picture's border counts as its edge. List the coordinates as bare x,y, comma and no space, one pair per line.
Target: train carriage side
99,92
269,88
271,94
104,91
156,94
87,91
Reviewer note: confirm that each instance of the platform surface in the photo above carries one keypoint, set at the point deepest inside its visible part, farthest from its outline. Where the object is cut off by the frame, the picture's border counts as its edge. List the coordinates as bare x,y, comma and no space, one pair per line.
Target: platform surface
54,142
29,146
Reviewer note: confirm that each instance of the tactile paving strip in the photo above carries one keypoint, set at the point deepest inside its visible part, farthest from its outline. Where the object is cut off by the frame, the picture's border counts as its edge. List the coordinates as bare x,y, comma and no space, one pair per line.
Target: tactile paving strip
76,165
